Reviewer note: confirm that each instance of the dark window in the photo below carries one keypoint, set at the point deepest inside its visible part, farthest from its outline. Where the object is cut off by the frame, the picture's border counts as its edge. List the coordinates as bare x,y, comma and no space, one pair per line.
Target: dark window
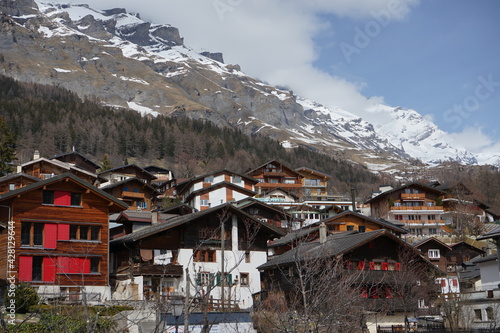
38,234
361,228
94,265
48,197
73,232
94,233
76,199
37,269
25,233
350,227
84,232
244,281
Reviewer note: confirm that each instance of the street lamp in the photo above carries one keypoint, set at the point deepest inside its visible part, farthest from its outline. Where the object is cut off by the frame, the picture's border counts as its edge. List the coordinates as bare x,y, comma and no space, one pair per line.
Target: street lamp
177,307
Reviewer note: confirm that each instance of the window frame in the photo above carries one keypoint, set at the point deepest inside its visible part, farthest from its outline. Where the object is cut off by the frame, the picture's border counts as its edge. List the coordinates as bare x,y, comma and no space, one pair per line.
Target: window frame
431,253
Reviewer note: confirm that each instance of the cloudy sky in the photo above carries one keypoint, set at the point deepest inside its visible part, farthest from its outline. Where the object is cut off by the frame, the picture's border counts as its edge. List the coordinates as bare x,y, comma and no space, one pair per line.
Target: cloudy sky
438,57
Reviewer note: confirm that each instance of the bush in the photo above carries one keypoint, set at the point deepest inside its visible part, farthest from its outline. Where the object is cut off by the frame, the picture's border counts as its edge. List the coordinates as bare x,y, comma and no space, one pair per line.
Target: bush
25,297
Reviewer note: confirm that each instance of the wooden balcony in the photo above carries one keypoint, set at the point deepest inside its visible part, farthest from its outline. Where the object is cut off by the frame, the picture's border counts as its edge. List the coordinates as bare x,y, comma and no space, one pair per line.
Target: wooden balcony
128,194
419,208
282,185
413,196
424,222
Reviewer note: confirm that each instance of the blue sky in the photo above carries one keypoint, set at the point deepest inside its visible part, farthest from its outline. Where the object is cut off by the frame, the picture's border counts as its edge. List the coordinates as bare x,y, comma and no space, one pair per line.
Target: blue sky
438,57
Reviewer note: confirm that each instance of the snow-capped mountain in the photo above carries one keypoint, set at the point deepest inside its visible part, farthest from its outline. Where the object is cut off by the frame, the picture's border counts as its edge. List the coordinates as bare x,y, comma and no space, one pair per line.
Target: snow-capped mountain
127,62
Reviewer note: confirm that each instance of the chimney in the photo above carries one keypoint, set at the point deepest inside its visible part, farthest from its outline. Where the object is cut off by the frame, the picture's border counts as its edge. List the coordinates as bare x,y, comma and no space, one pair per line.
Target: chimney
36,155
322,233
155,216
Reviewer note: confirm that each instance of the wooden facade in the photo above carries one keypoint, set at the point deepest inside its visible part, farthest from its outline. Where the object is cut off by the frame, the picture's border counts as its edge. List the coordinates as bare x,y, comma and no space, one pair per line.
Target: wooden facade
134,192
58,229
16,181
274,174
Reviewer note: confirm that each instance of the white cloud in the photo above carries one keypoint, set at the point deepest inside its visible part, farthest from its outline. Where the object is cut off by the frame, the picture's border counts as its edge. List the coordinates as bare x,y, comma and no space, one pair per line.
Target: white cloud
474,140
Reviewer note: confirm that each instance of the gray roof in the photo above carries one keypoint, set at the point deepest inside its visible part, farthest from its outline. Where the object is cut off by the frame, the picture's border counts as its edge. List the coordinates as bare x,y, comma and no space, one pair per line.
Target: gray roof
121,182
493,233
292,236
18,175
177,221
480,259
335,245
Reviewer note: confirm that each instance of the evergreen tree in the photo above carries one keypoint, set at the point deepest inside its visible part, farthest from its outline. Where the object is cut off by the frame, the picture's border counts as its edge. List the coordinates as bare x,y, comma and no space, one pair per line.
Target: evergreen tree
106,163
7,151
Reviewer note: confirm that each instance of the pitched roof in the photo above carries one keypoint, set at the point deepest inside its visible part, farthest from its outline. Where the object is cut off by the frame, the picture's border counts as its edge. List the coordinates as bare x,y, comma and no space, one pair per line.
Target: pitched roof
121,205
142,216
183,186
292,236
426,187
180,220
480,259
13,176
97,166
62,165
493,233
335,245
128,180
383,223
431,239
271,162
145,173
312,171
219,185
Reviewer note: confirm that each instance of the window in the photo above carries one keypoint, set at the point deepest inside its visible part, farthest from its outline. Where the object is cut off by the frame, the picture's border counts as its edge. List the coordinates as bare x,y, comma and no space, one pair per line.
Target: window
209,179
489,314
236,179
433,254
247,256
203,279
244,281
205,202
61,198
432,231
32,234
142,204
273,180
350,227
361,228
36,268
431,217
94,265
478,315
84,232
205,256
12,187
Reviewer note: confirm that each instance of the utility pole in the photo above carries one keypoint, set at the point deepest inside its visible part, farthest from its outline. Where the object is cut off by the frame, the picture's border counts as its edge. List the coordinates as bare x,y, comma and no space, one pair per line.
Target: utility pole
186,303
223,273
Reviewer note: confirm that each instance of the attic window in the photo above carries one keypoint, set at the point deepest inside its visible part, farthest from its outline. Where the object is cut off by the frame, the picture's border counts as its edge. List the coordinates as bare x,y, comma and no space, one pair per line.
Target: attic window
433,254
209,179
61,198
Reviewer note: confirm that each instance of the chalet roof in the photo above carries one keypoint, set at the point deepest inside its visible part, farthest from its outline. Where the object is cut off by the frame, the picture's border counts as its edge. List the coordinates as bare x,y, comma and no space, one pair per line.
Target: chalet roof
181,187
68,175
180,220
180,207
255,202
383,223
454,245
125,181
60,164
314,172
480,259
471,272
13,176
274,162
493,234
335,208
156,169
431,240
145,174
417,184
86,159
335,245
296,235
142,216
268,192
219,185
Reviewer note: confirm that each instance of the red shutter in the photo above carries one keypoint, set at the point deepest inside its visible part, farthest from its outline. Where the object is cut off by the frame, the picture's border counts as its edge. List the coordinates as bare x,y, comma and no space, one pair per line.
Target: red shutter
50,236
25,268
443,282
63,232
348,264
372,266
86,265
62,198
398,266
63,265
385,266
361,265
49,270
364,292
454,282
388,292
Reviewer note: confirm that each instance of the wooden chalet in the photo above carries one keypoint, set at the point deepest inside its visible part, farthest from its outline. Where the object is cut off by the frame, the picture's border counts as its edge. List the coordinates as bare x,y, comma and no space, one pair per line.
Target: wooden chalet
314,184
269,213
16,181
61,236
137,194
274,174
194,242
215,188
76,159
124,172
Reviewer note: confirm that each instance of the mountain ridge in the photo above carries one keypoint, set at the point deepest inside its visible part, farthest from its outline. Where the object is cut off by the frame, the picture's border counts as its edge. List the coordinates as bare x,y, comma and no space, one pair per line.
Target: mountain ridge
130,63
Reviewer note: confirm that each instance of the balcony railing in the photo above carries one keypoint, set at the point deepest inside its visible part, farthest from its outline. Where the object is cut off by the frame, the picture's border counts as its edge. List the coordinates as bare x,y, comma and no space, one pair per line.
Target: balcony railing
414,196
425,222
282,185
128,194
420,208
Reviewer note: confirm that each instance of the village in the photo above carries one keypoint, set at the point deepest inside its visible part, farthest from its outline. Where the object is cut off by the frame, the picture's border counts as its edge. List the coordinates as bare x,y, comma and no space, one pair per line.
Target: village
270,250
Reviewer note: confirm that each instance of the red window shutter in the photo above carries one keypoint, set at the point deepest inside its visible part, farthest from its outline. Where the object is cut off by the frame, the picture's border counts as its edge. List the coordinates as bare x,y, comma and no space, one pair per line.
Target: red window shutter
62,198
63,265
50,236
443,282
86,265
398,266
63,232
361,265
454,282
364,292
372,266
388,292
385,266
49,270
25,268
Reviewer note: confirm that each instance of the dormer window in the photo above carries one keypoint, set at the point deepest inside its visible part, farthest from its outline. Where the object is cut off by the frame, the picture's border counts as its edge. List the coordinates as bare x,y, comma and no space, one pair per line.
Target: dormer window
433,254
